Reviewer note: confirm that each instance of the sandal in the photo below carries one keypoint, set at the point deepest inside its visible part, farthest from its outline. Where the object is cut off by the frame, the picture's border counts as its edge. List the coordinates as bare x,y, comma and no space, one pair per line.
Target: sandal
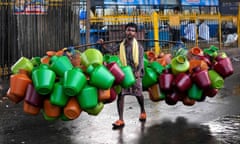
143,116
118,124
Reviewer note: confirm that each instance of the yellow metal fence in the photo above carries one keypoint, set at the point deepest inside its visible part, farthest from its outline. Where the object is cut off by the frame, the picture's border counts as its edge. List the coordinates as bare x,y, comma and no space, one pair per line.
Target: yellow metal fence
158,27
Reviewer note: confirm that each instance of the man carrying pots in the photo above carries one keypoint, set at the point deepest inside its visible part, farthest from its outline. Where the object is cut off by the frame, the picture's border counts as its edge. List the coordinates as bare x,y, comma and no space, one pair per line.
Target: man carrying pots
131,54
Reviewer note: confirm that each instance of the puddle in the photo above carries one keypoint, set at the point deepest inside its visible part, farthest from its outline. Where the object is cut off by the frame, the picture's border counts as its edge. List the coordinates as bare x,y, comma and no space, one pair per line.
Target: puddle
226,129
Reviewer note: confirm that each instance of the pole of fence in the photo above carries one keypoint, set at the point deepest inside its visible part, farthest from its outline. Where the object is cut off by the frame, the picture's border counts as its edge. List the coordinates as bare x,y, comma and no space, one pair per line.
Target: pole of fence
196,30
238,28
155,31
88,22
220,30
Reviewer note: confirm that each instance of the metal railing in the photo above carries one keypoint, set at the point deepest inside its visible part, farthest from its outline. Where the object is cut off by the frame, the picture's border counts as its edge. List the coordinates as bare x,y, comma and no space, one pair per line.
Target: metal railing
157,27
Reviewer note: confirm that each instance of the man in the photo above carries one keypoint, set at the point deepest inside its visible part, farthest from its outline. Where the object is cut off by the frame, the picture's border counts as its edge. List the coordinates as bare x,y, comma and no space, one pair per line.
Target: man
190,31
203,31
130,53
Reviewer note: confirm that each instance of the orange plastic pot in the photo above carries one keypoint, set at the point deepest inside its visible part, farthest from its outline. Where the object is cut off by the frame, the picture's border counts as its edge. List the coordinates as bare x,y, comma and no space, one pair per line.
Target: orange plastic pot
50,53
168,58
187,101
30,109
197,63
13,97
155,93
113,96
45,60
151,55
162,61
51,110
19,83
72,110
76,60
195,53
103,95
165,59
59,53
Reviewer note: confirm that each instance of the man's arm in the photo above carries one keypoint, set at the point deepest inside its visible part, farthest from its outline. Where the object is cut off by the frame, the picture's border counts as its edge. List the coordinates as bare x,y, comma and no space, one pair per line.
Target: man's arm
107,49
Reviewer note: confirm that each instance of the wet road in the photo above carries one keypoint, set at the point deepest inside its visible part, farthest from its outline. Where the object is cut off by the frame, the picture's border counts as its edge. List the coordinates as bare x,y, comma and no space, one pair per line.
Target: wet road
214,121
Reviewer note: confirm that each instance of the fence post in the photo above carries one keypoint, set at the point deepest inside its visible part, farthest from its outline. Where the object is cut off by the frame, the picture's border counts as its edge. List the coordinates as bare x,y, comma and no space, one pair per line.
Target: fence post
196,30
155,31
88,28
238,29
220,30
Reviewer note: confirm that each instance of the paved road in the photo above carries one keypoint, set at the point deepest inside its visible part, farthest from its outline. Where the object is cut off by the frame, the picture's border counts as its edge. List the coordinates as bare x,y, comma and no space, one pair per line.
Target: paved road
214,121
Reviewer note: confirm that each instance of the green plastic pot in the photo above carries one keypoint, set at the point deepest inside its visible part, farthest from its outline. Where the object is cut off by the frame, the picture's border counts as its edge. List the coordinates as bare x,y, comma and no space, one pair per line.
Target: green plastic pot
73,82
145,62
36,61
157,67
58,96
100,77
48,118
60,64
114,58
150,78
64,118
195,92
91,56
179,64
216,79
129,78
211,51
88,97
22,63
95,110
43,79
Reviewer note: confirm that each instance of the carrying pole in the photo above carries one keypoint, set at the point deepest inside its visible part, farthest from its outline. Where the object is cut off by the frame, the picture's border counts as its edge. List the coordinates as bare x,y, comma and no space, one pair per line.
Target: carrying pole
88,21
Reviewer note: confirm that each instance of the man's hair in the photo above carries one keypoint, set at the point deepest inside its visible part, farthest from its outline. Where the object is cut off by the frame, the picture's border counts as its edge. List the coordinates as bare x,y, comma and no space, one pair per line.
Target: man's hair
131,25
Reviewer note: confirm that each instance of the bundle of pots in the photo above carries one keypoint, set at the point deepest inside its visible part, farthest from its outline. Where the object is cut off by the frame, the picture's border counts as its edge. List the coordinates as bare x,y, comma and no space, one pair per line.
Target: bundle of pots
188,75
63,84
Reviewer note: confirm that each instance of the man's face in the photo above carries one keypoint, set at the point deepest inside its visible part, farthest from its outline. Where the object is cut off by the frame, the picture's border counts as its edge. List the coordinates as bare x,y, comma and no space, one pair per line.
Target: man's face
130,32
